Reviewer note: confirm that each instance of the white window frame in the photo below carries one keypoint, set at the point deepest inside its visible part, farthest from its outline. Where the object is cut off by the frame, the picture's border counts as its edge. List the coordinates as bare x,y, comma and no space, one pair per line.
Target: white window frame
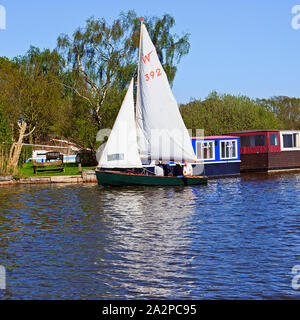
213,149
236,149
290,132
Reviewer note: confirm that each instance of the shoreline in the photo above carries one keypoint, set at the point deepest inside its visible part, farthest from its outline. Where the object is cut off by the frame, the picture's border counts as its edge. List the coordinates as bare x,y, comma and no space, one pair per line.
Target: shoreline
87,176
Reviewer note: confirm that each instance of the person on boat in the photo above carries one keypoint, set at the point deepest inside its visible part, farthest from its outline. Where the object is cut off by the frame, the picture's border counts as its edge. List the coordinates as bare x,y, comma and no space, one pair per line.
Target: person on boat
178,171
187,169
158,169
166,168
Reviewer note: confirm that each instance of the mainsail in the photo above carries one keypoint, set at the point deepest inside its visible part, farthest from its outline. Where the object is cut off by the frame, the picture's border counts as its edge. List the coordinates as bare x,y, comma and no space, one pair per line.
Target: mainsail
161,131
121,150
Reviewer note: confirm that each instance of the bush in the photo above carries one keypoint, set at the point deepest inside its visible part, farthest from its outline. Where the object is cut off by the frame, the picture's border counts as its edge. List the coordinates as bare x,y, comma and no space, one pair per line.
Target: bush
87,158
26,153
5,141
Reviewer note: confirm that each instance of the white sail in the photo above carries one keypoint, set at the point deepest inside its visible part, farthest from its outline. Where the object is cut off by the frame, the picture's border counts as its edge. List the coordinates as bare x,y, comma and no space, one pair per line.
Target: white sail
121,150
161,130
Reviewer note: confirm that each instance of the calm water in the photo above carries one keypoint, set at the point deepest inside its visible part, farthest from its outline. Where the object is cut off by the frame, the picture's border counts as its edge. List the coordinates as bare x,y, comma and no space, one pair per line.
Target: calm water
234,238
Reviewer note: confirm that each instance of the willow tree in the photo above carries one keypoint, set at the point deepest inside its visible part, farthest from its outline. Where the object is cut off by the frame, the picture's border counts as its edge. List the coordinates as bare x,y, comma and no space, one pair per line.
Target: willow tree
103,57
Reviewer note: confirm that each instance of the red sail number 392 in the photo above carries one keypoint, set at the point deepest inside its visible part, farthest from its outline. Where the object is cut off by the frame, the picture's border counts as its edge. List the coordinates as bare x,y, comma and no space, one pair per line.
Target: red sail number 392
152,74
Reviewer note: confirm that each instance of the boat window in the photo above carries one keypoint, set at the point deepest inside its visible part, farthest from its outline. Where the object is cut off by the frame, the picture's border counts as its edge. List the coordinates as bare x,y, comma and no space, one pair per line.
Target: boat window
274,139
114,157
256,140
205,150
291,140
228,149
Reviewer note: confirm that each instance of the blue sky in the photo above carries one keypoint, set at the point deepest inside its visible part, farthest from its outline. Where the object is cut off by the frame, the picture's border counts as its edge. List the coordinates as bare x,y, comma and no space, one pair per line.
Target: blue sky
237,46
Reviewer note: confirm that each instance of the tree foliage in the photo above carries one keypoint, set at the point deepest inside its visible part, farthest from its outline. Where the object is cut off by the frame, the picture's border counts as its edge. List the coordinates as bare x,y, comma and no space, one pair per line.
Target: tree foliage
170,47
219,114
286,109
29,95
103,57
5,129
5,140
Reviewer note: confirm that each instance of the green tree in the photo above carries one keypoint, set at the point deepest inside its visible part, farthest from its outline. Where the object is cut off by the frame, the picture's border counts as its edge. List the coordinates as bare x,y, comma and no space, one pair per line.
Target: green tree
103,58
47,63
219,114
30,93
5,129
170,47
5,140
286,109
30,98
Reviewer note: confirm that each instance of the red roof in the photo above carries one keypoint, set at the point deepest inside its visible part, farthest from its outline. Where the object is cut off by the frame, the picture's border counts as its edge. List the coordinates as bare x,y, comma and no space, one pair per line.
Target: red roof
252,131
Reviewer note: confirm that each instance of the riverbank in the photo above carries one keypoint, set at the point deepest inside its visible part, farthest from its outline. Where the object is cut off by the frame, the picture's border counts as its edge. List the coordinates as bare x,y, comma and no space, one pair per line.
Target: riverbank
87,176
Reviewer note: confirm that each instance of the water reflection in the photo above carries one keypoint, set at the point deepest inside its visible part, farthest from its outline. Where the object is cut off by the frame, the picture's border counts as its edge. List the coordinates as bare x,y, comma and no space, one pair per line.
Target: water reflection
149,236
234,238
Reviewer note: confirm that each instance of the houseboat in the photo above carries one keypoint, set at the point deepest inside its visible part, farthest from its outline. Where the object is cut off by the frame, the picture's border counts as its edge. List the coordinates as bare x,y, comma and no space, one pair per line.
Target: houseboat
267,150
220,155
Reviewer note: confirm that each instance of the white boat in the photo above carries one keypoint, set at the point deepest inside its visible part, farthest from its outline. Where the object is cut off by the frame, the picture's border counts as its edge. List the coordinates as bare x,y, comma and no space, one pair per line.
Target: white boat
40,156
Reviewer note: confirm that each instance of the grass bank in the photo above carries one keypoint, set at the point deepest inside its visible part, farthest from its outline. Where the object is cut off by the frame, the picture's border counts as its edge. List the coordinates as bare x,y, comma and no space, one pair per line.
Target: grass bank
71,169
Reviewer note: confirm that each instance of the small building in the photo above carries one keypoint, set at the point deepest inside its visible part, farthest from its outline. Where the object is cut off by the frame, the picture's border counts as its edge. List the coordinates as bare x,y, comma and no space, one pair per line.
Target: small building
220,155
265,150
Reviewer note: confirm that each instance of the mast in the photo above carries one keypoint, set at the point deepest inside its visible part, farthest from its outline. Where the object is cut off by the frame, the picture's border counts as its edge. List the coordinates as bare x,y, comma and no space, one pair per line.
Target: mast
138,74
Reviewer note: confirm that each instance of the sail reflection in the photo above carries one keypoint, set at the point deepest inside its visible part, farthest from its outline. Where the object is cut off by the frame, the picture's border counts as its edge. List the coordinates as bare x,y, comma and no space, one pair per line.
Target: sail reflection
150,236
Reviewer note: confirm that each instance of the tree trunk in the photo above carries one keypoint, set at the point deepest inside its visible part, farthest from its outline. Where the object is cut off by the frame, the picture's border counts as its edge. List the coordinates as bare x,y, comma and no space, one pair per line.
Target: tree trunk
16,149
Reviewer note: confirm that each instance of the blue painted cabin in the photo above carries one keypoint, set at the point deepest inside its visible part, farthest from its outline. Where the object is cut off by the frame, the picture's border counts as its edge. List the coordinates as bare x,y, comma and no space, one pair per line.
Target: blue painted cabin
220,154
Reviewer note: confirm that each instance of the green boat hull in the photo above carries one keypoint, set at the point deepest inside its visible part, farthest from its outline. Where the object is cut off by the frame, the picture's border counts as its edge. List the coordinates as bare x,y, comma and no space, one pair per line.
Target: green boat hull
114,178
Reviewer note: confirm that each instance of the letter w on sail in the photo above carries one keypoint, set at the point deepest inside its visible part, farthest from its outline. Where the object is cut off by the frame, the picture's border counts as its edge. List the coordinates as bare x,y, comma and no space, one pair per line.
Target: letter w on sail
147,57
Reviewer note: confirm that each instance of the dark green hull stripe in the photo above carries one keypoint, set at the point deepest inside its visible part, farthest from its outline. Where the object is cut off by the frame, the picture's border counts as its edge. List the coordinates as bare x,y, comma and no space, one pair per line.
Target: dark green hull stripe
120,179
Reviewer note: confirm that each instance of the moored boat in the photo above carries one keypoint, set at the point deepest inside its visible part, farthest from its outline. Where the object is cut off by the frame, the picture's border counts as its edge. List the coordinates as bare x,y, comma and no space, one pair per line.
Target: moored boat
269,150
114,178
154,130
220,155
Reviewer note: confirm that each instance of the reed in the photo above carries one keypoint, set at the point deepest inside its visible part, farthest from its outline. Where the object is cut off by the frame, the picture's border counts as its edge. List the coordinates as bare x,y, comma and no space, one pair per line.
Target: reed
4,158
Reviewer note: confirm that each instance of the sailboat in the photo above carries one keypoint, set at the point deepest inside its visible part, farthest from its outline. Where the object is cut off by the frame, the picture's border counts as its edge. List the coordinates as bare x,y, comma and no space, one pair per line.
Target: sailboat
154,130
